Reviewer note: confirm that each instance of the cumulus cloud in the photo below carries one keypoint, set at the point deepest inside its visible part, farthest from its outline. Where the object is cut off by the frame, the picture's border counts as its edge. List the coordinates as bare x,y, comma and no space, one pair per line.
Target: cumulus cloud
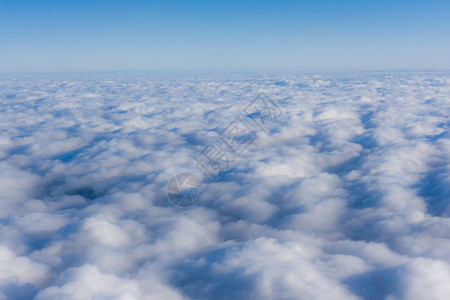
344,195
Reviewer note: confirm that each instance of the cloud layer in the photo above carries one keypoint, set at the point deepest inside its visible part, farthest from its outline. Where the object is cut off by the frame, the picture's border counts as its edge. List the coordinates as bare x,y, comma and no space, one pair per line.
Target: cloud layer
345,195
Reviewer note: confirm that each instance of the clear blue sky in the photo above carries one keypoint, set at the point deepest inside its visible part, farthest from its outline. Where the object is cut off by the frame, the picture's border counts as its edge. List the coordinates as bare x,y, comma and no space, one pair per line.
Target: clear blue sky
224,35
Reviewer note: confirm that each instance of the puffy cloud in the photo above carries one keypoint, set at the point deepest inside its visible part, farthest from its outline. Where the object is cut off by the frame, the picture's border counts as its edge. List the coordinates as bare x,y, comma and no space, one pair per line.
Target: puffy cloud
87,282
344,195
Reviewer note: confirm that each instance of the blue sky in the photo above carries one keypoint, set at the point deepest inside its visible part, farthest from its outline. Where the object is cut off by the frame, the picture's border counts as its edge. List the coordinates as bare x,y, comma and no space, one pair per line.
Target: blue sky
224,35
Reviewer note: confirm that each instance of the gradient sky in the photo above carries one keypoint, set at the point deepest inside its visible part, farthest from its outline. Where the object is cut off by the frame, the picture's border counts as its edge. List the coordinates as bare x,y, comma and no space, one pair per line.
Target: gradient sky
224,35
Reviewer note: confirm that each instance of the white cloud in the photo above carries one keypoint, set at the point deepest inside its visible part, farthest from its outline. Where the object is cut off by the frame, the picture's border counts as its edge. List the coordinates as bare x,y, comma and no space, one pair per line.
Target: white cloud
345,195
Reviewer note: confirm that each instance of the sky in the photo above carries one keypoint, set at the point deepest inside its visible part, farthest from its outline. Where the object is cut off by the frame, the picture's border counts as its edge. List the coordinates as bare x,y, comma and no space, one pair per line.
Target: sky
231,35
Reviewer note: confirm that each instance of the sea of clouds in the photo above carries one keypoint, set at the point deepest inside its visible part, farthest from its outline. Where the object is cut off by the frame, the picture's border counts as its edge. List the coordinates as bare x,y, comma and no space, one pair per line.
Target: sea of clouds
345,195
